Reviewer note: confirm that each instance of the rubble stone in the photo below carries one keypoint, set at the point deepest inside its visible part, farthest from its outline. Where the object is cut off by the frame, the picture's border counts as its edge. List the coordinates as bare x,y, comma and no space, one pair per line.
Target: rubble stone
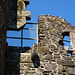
49,57
71,71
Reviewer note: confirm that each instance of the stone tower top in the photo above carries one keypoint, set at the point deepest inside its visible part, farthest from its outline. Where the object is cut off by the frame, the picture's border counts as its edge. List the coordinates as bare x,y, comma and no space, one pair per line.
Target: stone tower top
17,14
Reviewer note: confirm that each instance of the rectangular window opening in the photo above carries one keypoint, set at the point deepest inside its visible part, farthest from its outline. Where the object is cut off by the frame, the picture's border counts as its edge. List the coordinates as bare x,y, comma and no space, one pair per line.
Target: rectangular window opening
23,38
66,41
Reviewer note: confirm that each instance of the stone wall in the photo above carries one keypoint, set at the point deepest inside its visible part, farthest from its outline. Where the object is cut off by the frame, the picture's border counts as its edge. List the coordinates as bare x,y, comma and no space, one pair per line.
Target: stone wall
3,30
49,57
72,38
17,14
17,60
8,8
52,30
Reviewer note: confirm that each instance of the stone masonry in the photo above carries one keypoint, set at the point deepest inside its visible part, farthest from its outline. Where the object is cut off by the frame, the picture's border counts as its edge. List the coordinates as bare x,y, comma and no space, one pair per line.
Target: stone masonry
52,30
8,15
17,14
49,57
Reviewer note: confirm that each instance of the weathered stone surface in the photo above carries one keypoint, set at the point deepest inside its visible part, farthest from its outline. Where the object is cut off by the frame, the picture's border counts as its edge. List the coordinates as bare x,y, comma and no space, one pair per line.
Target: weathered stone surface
66,47
50,27
60,68
72,39
53,66
67,58
27,15
17,14
48,66
49,57
74,58
56,55
3,30
62,73
65,62
46,72
25,58
71,71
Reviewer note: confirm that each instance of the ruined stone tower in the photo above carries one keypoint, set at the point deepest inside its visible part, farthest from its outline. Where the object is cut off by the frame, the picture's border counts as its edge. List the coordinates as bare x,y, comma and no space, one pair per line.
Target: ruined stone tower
56,60
49,57
12,17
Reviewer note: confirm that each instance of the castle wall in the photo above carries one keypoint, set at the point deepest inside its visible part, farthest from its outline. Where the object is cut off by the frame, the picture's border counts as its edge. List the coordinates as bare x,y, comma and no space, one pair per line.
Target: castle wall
8,18
3,30
49,57
52,30
17,14
72,39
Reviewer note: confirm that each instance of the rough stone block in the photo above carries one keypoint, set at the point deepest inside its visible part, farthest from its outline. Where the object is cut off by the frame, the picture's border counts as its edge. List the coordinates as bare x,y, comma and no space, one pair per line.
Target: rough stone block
71,71
62,73
48,66
54,66
67,58
66,47
28,15
48,57
72,39
25,58
59,68
56,55
46,72
65,62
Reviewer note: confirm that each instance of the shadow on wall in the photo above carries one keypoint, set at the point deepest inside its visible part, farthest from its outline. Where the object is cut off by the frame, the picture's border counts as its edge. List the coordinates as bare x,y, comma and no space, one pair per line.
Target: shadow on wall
35,60
16,47
14,60
12,63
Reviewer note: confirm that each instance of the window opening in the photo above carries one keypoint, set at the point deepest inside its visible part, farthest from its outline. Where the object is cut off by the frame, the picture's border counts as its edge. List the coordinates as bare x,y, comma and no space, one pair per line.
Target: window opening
66,41
25,37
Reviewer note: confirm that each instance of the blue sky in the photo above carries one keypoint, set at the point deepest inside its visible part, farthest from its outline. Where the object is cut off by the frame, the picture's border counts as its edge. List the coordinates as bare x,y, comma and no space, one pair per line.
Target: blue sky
62,8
